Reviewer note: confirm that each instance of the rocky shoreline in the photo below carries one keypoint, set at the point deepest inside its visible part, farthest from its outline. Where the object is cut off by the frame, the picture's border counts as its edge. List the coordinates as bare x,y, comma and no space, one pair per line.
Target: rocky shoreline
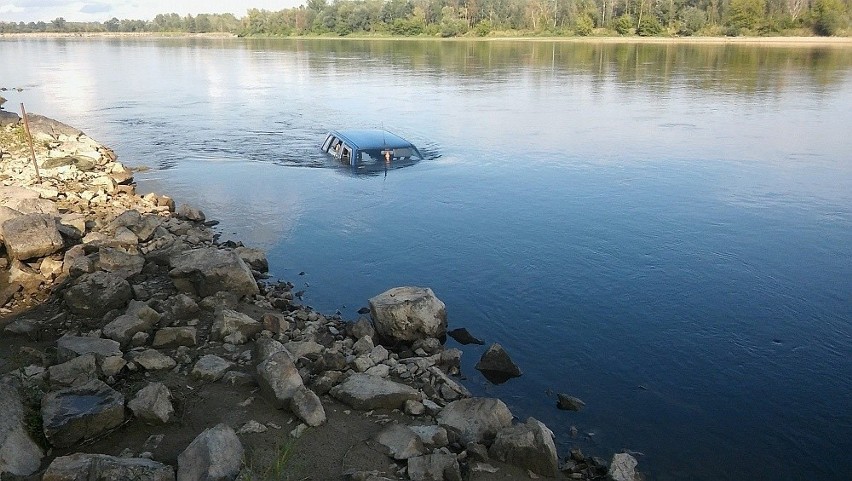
135,345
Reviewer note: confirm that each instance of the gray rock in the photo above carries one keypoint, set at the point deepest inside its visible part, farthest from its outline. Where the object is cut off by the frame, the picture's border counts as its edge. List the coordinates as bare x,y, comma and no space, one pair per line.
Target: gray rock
401,442
7,213
53,129
434,467
474,420
117,261
69,347
275,322
19,454
138,318
623,467
362,327
529,446
24,276
31,235
306,405
152,360
112,365
408,314
215,455
299,349
210,368
228,322
100,467
204,272
279,379
431,435
190,213
8,118
265,347
182,306
496,365
81,412
95,294
79,370
153,404
254,258
363,345
365,392
175,336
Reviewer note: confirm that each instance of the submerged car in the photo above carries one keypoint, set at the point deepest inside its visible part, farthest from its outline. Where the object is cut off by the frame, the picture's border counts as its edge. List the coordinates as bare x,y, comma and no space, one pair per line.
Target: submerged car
355,147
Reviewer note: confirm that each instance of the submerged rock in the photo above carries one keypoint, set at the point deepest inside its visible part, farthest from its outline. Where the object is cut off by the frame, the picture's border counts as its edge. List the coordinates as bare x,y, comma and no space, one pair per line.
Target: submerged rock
462,336
496,365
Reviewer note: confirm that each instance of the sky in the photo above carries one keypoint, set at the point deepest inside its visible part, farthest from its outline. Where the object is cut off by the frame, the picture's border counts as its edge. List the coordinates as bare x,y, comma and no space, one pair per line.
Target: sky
101,10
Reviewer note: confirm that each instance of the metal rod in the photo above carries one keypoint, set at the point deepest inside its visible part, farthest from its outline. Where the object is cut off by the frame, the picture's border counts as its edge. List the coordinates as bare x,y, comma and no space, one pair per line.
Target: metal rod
30,140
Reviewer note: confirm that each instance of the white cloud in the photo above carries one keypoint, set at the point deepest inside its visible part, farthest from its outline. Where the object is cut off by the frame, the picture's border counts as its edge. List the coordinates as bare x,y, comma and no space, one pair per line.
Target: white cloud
100,10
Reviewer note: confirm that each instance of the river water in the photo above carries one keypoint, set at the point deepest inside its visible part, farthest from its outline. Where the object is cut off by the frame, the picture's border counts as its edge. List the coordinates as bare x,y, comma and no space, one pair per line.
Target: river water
664,231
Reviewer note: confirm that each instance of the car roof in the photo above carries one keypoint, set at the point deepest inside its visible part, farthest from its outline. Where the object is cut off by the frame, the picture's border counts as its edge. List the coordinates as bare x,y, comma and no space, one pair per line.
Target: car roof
368,139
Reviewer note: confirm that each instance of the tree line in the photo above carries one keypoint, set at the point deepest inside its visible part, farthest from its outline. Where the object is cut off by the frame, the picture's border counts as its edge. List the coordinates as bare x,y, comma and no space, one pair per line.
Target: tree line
482,18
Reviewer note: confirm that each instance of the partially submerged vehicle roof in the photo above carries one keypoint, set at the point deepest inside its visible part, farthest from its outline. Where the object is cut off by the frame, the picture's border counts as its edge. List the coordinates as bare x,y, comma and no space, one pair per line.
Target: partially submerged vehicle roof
370,139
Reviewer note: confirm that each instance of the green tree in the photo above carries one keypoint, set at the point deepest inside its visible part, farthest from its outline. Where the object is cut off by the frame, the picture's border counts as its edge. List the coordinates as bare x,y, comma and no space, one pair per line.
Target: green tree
584,25
624,24
692,19
112,25
828,17
746,15
58,24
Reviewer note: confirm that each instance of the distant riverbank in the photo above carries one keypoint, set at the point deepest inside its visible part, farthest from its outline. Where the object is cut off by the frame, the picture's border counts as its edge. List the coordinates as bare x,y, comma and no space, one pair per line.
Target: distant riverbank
768,41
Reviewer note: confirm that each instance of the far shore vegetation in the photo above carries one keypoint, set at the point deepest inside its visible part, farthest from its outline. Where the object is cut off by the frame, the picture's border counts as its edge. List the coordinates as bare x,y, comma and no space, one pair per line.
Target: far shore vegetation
495,18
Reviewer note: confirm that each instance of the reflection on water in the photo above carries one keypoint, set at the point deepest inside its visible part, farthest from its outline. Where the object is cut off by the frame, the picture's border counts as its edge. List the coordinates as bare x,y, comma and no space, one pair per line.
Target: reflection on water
661,230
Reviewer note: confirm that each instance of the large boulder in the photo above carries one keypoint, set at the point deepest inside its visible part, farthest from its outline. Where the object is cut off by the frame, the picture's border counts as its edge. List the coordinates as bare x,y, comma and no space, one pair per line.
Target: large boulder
95,294
81,412
474,420
19,454
31,235
529,446
215,455
407,314
365,392
100,467
204,272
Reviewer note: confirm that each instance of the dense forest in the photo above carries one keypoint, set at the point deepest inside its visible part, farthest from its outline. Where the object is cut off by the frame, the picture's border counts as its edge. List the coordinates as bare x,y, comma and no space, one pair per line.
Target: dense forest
482,18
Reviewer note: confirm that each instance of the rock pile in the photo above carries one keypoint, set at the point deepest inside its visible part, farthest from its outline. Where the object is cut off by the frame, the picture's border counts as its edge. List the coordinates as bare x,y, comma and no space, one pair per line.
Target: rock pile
141,297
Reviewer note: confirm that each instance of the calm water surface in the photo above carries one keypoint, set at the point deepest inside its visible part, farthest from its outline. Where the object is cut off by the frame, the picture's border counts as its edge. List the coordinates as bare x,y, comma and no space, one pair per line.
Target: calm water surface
662,231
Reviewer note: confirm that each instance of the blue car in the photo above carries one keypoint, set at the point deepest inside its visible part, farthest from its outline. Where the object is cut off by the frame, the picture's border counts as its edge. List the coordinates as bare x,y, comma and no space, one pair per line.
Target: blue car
356,147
